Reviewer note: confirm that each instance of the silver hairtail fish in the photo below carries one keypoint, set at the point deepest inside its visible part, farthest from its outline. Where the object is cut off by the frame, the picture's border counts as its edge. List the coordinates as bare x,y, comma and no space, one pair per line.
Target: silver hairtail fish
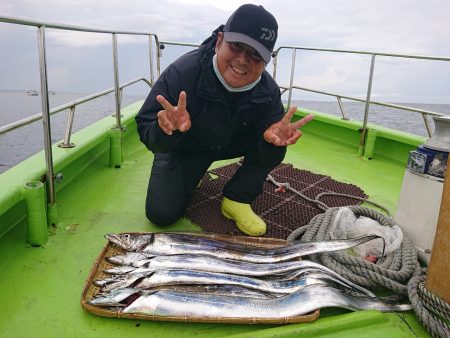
177,244
303,301
274,287
125,280
213,264
118,297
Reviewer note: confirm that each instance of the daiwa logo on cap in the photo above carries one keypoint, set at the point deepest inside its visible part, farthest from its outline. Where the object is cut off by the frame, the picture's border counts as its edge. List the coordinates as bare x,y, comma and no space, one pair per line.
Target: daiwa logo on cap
272,35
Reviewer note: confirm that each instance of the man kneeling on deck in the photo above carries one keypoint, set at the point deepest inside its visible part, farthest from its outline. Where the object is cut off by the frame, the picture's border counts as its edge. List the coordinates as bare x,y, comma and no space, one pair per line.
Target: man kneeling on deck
218,102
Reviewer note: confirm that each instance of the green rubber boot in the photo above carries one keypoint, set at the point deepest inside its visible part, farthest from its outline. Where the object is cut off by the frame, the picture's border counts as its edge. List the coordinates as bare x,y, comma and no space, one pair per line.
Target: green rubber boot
246,220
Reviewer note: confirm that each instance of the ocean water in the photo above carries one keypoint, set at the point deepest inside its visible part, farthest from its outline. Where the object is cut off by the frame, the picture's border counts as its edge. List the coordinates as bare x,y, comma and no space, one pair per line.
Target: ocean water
21,143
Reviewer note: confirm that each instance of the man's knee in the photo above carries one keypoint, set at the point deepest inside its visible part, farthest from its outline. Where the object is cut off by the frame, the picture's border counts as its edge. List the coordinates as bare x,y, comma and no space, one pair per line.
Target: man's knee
163,216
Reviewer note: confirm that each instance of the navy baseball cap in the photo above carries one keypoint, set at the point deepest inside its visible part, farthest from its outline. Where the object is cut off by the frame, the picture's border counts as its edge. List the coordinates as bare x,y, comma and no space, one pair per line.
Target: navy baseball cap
254,26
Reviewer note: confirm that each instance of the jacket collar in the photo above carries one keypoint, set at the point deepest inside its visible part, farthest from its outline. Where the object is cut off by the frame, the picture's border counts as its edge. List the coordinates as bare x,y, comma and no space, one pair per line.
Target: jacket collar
211,88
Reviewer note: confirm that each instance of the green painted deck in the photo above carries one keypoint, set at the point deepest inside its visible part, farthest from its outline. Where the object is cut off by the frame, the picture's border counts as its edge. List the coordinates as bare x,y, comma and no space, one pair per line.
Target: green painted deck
40,288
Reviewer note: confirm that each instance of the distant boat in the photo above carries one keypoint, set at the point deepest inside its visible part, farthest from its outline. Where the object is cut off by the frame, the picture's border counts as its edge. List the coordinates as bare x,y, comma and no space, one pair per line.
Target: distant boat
51,92
32,92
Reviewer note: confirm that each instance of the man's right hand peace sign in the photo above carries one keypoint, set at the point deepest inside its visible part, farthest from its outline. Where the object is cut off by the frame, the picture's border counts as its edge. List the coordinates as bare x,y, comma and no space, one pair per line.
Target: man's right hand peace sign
173,118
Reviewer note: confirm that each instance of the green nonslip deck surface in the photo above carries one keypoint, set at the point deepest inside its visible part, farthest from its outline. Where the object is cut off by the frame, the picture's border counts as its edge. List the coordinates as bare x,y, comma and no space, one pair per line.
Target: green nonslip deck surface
40,288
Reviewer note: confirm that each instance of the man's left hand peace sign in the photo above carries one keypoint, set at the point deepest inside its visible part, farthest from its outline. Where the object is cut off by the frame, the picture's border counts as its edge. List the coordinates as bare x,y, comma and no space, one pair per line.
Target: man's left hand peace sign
283,132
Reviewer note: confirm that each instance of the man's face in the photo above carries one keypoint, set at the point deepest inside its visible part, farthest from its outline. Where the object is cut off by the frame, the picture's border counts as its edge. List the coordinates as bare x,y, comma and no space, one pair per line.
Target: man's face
238,63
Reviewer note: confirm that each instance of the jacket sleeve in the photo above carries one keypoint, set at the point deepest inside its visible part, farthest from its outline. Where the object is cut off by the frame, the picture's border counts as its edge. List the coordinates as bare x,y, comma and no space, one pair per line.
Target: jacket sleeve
270,154
150,133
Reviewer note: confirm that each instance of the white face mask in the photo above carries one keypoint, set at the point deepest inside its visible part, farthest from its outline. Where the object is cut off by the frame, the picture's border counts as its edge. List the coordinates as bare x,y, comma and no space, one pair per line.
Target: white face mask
226,85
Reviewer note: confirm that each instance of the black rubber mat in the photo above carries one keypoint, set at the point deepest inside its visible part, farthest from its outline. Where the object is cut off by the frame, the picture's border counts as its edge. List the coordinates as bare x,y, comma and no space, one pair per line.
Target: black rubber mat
283,211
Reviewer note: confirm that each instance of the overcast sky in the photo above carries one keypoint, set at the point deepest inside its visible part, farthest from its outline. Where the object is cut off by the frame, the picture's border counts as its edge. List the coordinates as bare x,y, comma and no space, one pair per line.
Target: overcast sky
82,62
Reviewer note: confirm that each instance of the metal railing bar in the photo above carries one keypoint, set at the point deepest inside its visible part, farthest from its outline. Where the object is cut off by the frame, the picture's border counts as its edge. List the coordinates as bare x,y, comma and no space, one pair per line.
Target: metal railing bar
33,118
160,43
67,27
150,55
349,51
274,62
158,56
46,116
116,81
291,83
341,108
174,43
66,143
385,104
283,90
427,124
120,95
366,108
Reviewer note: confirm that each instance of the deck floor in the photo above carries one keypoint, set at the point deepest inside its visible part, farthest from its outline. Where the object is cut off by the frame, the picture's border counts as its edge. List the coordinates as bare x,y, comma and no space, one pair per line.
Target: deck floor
41,287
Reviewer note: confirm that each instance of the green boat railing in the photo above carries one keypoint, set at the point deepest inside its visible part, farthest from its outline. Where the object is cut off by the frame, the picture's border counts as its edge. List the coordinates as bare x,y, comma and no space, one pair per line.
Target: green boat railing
367,101
41,29
339,97
71,105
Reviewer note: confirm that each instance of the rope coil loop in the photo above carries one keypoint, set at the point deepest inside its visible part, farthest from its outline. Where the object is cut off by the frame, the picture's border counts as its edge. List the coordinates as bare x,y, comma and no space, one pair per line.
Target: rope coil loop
392,271
398,271
431,311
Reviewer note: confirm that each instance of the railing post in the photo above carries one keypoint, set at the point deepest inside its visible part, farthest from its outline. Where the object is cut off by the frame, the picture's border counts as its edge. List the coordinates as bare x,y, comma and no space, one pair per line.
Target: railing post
291,83
158,57
66,143
150,54
115,134
362,140
274,61
46,117
341,107
427,124
120,94
116,81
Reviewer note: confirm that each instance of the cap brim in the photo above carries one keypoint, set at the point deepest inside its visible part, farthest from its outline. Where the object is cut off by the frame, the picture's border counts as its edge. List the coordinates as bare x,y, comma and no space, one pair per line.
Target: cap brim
238,37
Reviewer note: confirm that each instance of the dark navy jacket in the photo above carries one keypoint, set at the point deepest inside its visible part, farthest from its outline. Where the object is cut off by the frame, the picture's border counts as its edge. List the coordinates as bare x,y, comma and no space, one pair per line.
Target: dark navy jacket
217,116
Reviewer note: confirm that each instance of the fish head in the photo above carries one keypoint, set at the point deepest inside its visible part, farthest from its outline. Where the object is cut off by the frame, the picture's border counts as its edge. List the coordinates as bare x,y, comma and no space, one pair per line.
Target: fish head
113,298
120,270
129,242
119,259
127,258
